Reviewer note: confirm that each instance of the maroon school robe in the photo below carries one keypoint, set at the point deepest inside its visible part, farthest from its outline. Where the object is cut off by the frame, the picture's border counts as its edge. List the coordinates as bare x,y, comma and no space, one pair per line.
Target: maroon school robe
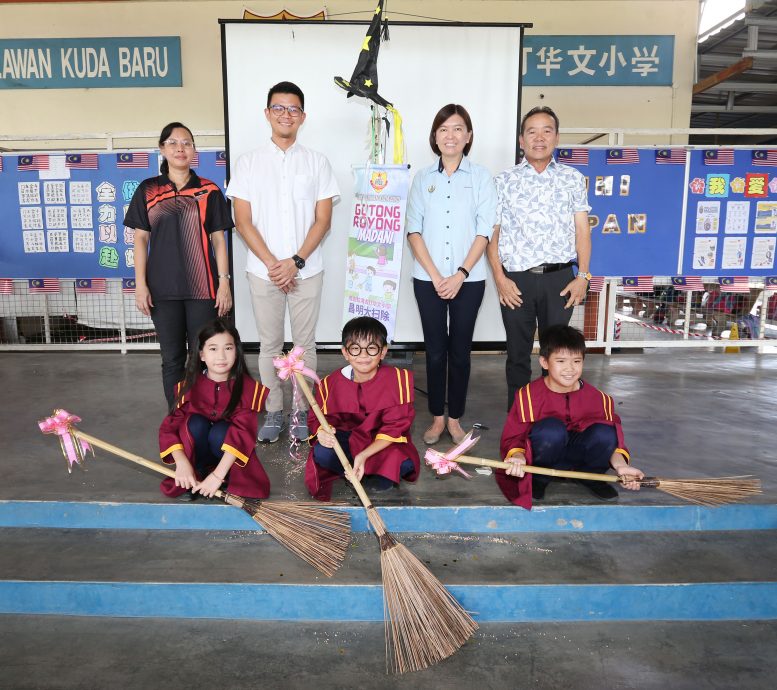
208,398
535,401
381,408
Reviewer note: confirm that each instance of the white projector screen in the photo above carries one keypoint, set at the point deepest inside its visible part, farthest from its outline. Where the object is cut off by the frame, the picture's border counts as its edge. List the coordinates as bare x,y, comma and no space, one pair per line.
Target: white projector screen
421,68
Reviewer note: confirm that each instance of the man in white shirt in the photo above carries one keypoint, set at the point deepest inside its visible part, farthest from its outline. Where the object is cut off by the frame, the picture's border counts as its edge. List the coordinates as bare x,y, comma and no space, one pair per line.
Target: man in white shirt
542,231
282,194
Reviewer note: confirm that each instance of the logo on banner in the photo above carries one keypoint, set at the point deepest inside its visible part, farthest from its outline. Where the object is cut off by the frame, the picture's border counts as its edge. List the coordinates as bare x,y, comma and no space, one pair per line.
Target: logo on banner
379,180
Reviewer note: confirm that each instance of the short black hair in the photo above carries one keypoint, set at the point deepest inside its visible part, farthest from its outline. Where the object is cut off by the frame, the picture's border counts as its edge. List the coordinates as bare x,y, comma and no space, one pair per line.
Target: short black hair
557,338
540,109
443,114
365,328
286,87
167,130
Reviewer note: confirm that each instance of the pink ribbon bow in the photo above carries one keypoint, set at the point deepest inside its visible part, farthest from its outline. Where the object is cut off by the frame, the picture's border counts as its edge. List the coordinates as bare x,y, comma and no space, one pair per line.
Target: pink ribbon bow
444,463
287,365
61,424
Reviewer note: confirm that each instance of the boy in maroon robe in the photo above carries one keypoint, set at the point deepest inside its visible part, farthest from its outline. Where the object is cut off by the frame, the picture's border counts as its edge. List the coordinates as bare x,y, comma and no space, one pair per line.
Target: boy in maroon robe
560,421
371,409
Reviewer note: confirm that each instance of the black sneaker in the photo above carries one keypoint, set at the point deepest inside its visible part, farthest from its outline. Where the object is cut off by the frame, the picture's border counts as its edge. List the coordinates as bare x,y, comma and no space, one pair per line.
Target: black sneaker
188,497
538,490
604,491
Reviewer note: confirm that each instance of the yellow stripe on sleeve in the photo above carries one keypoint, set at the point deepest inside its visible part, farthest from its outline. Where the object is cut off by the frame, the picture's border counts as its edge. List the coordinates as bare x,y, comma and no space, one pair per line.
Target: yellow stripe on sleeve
407,384
520,402
242,459
393,439
529,403
253,400
514,451
399,386
167,452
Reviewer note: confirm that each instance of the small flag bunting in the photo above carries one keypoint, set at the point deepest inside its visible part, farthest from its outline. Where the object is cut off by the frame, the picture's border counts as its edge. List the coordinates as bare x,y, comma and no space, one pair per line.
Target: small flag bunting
90,285
719,157
195,160
36,162
132,160
687,283
221,159
81,161
596,284
128,285
770,283
670,157
619,156
6,286
573,156
765,157
38,286
735,284
638,283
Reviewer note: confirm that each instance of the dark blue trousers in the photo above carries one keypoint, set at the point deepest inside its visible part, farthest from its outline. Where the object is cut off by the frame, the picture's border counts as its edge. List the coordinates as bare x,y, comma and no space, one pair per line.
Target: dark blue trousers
208,438
327,458
448,327
586,451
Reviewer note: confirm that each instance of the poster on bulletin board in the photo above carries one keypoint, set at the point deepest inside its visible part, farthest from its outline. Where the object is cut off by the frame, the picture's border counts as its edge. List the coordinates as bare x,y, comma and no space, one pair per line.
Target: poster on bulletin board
731,216
63,212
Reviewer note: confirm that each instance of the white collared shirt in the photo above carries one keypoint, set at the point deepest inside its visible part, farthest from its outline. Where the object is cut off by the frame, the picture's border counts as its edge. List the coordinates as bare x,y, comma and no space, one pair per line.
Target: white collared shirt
536,212
283,188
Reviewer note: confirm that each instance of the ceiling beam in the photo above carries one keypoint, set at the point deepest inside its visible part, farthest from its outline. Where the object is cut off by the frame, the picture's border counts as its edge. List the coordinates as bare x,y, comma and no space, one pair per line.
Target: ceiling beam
702,108
731,71
752,86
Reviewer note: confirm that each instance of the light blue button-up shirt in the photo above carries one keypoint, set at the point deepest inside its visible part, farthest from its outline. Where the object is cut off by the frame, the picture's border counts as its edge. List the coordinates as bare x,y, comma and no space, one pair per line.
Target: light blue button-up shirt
450,212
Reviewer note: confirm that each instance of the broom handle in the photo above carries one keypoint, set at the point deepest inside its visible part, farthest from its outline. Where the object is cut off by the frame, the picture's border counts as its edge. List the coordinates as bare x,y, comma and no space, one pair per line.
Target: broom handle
534,469
365,499
131,456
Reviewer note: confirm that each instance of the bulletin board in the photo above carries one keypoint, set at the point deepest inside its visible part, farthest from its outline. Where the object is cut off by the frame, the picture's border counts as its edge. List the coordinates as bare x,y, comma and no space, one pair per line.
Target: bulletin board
731,216
63,212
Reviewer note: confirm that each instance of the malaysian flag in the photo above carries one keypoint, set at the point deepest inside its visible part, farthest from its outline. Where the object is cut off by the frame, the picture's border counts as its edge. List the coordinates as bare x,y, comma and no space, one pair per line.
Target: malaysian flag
40,285
128,285
1,164
719,157
6,286
87,285
638,283
622,156
195,160
573,156
81,161
687,283
735,284
770,283
764,157
37,162
670,157
221,159
596,284
132,160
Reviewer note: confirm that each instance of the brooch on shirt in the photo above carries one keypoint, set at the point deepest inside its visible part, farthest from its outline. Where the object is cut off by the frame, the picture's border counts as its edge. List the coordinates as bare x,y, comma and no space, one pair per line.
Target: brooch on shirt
431,189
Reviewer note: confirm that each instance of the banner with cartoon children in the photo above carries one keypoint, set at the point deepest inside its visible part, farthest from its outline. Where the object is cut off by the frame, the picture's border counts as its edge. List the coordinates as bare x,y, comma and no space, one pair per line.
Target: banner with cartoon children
375,243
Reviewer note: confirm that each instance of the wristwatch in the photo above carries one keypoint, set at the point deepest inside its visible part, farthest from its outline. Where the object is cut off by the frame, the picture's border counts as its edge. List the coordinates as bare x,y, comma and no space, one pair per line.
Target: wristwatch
584,274
299,262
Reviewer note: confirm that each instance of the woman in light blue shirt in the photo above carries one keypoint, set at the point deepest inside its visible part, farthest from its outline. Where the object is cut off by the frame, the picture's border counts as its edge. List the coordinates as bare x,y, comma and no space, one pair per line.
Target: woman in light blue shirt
450,217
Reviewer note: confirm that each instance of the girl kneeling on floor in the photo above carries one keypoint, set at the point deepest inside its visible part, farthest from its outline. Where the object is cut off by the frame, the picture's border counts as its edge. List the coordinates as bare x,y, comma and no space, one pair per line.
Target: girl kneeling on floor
210,434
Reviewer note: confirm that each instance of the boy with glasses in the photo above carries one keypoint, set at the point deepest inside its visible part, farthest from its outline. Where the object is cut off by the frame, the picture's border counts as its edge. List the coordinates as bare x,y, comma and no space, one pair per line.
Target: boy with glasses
282,194
370,407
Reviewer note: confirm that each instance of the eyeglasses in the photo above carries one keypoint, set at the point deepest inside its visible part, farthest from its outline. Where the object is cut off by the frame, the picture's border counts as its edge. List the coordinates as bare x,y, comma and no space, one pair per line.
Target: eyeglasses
293,110
184,143
373,349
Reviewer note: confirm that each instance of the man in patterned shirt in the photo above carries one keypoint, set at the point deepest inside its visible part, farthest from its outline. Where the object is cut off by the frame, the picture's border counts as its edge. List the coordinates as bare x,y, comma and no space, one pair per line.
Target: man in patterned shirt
541,233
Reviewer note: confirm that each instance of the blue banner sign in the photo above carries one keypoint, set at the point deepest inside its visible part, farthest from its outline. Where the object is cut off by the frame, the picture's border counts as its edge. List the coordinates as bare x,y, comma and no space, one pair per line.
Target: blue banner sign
598,60
94,63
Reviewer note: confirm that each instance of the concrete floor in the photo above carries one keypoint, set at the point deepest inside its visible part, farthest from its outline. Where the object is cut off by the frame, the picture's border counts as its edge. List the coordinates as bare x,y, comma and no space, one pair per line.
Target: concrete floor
684,414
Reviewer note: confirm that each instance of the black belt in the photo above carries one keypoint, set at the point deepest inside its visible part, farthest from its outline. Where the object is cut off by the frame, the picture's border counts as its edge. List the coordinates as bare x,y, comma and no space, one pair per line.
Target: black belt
551,268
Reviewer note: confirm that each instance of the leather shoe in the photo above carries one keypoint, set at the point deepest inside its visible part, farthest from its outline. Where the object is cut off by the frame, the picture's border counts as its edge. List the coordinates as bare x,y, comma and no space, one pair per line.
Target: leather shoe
602,490
538,490
431,437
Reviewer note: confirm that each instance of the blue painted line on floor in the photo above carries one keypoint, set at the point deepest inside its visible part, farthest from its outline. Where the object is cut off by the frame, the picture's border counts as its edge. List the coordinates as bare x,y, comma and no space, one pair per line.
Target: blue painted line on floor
519,603
438,519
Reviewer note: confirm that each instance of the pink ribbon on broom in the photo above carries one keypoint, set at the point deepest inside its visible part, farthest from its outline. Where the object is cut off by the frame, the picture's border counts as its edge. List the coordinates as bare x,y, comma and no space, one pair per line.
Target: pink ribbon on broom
287,365
443,463
61,424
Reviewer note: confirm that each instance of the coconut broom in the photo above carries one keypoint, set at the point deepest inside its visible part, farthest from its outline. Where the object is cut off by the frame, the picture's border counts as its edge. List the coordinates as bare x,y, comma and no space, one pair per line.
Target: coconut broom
318,535
715,491
424,623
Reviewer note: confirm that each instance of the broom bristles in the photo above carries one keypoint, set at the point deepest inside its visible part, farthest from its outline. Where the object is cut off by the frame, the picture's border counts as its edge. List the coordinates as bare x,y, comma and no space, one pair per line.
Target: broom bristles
320,536
424,623
716,491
